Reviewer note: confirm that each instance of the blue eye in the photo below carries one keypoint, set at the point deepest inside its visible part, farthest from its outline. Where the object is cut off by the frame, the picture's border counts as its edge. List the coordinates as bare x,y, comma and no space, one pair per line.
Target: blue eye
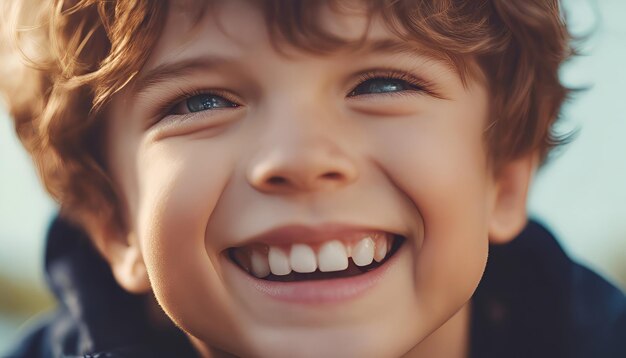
205,102
382,85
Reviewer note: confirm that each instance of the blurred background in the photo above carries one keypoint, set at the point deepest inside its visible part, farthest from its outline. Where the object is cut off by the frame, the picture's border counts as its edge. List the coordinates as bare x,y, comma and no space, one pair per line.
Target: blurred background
580,195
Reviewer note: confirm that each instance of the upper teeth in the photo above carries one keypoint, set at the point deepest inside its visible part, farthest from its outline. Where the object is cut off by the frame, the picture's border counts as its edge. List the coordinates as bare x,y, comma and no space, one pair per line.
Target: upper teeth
363,252
333,256
330,256
302,259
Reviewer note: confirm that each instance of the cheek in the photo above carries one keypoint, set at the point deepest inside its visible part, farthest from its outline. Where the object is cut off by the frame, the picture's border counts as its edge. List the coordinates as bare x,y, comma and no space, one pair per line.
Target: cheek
180,184
440,164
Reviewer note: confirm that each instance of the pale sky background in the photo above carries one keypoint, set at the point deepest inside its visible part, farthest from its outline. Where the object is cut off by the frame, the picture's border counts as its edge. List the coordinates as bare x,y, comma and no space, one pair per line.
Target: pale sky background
581,195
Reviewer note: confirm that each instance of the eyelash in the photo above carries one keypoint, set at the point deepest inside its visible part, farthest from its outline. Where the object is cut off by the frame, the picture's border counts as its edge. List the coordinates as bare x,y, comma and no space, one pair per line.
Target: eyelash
390,74
182,94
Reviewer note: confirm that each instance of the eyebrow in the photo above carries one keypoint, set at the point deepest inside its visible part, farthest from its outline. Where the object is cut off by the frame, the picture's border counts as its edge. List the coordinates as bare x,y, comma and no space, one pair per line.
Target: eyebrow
166,71
393,46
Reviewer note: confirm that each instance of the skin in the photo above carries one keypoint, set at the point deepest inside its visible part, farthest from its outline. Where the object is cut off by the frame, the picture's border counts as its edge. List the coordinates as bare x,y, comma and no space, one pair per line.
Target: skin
412,162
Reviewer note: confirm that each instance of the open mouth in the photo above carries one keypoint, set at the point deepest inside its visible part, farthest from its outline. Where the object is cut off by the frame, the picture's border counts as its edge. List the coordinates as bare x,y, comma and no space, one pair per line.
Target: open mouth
322,261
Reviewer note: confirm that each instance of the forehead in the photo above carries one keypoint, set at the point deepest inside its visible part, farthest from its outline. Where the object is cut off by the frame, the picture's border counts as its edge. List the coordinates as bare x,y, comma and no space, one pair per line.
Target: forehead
345,19
238,28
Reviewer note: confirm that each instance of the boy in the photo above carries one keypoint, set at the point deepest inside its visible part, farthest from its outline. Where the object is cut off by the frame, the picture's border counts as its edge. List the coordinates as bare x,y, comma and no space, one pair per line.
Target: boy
303,179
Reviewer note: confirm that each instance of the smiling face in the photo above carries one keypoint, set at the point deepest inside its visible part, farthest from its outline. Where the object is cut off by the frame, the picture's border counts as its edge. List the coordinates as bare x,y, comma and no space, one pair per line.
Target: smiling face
224,147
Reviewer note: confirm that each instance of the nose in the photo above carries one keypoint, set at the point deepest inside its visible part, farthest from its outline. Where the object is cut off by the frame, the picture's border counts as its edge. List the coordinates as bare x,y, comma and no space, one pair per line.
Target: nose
301,164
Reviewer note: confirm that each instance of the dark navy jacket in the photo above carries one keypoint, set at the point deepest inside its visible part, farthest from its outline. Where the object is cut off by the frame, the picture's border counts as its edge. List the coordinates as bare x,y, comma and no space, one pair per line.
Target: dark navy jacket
533,301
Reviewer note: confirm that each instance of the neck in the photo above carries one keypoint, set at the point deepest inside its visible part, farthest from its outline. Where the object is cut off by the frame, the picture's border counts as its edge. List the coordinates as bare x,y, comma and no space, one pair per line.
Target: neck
449,341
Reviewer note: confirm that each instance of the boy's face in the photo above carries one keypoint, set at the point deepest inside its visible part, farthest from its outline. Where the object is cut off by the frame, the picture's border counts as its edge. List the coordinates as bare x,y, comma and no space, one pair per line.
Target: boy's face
308,140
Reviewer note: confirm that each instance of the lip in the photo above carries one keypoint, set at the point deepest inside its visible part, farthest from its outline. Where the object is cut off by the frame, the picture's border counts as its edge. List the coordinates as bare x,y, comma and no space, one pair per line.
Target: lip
330,291
304,234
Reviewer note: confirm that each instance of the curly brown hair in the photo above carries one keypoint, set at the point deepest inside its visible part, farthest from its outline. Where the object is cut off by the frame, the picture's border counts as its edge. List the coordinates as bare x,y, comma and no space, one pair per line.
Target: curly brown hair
76,54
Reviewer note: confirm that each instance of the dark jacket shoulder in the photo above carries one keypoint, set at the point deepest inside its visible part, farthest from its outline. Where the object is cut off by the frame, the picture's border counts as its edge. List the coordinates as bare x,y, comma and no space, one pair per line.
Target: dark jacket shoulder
534,301
95,317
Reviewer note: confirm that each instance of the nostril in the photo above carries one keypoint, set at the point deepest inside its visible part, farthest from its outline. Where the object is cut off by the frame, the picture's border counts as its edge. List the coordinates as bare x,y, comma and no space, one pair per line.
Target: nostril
276,180
332,176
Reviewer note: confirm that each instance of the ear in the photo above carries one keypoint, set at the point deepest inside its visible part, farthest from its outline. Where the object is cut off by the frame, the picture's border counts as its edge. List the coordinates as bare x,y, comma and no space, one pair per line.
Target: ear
511,192
123,252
